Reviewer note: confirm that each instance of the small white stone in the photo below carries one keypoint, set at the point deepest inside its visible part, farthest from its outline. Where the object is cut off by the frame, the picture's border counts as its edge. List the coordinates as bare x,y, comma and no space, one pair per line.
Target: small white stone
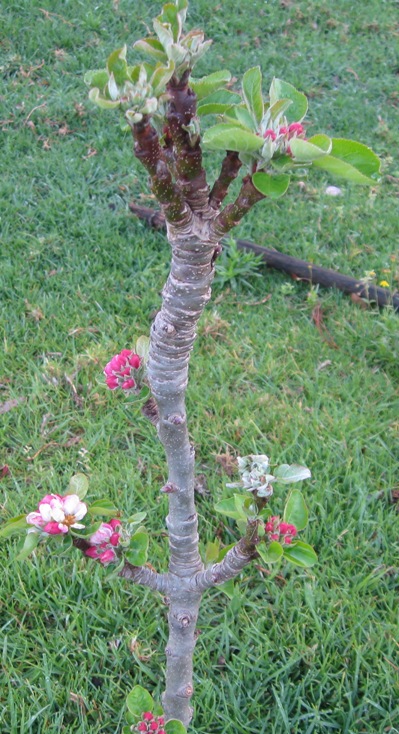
333,191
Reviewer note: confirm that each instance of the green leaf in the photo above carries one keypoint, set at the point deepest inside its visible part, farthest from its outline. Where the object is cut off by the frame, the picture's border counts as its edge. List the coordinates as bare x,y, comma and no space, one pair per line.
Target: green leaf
218,103
103,507
290,473
138,549
15,525
164,34
270,553
252,92
152,47
104,104
282,162
225,136
351,160
138,701
29,546
78,484
96,78
322,141
212,552
126,730
173,726
304,151
169,15
137,518
117,65
142,347
295,511
160,77
271,186
283,90
208,84
232,507
278,108
301,554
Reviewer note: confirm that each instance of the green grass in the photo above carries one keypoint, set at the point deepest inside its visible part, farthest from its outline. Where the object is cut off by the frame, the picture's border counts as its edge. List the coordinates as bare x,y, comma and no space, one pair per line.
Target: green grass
293,652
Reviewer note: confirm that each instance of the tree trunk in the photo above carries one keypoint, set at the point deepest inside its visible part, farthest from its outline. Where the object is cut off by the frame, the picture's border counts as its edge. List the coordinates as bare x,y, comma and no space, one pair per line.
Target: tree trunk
173,332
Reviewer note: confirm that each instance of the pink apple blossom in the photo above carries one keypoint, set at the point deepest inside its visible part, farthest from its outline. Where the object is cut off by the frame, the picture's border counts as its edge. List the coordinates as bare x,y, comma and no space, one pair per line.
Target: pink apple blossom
121,370
57,514
103,542
150,723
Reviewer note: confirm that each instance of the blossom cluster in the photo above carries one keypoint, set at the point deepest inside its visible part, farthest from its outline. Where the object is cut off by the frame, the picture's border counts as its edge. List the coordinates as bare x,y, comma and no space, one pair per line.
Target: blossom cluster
122,371
279,138
284,532
104,541
56,514
150,723
254,470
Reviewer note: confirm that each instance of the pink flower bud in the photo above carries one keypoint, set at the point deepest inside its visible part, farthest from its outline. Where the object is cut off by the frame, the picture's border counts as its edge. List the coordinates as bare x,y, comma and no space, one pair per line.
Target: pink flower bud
114,539
142,726
287,540
283,130
153,726
270,134
112,382
295,129
134,361
161,731
92,552
115,523
109,556
269,526
274,536
128,384
284,527
55,528
148,716
161,721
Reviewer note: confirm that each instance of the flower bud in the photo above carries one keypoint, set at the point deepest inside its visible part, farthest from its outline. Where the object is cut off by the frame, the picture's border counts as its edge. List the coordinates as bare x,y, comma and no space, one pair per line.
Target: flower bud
270,134
148,716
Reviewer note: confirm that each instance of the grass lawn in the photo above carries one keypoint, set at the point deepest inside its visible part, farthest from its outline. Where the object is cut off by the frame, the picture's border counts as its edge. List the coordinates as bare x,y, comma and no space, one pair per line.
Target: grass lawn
293,652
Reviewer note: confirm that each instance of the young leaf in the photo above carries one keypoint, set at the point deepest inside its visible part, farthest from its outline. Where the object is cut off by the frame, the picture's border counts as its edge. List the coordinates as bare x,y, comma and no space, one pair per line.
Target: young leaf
239,116
271,186
322,141
29,545
78,484
161,76
152,47
232,507
117,65
15,525
170,15
228,588
103,507
104,104
278,108
290,473
96,78
218,103
208,84
304,151
351,160
138,549
173,726
139,700
252,92
300,554
142,347
270,553
137,518
225,136
212,552
282,90
295,511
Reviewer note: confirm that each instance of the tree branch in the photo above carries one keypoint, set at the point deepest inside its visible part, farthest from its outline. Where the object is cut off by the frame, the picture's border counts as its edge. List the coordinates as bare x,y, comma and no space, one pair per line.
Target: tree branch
190,175
229,171
232,564
145,577
232,214
149,152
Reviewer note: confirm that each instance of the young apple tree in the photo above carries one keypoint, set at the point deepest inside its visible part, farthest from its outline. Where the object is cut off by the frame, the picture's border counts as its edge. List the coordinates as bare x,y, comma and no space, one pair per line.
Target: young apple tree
264,139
